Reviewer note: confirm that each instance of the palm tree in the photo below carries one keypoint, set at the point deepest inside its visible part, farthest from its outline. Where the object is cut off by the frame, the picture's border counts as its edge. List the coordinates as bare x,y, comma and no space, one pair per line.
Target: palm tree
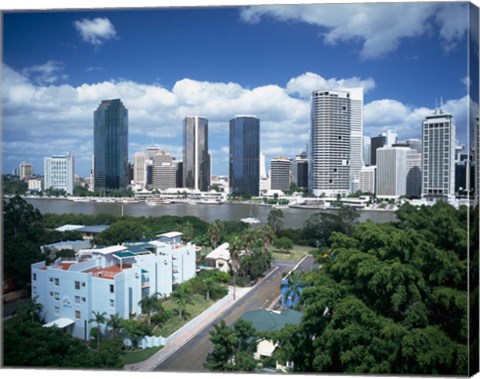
134,330
236,247
115,323
182,299
267,235
99,319
149,305
215,232
250,239
210,284
30,310
295,285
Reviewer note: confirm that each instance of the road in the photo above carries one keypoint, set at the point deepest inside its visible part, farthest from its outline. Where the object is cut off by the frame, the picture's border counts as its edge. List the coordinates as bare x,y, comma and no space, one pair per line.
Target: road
191,356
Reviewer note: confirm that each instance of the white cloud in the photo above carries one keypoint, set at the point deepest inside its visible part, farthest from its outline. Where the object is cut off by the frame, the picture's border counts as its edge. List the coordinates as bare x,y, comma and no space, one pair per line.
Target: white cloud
47,73
95,31
379,26
41,119
305,84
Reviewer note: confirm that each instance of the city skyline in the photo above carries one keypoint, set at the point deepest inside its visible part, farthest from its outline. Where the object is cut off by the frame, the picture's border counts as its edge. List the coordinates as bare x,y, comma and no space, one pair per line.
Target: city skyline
50,93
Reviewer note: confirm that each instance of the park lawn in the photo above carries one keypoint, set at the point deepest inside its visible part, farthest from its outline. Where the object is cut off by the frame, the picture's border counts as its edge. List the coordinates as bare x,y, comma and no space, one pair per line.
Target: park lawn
199,305
130,357
295,255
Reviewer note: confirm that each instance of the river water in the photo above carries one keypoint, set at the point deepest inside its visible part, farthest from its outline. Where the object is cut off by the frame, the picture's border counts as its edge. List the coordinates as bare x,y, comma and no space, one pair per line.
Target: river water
293,217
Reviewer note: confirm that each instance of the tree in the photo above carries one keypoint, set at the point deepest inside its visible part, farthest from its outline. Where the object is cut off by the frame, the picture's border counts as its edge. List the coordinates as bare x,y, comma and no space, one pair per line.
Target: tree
283,244
30,310
274,219
215,232
233,347
150,304
123,230
236,247
115,323
295,286
134,330
99,318
182,298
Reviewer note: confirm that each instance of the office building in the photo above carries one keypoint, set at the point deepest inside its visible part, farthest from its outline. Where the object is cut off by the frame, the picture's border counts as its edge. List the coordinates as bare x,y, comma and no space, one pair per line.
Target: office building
196,163
280,174
109,279
330,148
111,146
438,156
58,173
391,178
139,169
414,173
388,139
366,151
356,136
300,171
164,171
244,165
367,178
25,171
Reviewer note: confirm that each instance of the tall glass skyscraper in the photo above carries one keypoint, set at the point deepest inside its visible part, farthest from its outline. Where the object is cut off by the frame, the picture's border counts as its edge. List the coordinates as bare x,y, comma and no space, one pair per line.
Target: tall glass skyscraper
196,162
244,157
110,146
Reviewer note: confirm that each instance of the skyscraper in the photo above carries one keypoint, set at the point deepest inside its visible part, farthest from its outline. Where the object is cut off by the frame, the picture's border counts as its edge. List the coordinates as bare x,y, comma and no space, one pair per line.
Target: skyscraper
280,173
196,163
139,168
356,136
164,171
438,156
111,146
330,148
391,178
58,172
25,170
244,156
300,170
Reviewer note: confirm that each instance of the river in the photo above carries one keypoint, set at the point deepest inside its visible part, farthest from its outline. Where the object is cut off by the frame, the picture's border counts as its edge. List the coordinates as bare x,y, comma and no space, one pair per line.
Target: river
293,217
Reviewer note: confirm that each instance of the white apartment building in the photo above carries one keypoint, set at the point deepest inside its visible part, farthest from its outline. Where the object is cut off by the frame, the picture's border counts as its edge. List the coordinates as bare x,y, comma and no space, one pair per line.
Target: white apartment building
35,185
438,156
366,178
330,153
58,172
111,279
391,181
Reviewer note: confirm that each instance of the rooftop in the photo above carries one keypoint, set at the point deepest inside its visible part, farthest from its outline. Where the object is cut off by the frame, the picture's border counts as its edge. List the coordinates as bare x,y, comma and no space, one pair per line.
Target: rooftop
108,272
68,227
221,252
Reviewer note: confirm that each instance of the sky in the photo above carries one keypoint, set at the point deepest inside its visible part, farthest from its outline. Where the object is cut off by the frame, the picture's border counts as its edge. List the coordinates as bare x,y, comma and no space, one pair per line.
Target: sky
167,63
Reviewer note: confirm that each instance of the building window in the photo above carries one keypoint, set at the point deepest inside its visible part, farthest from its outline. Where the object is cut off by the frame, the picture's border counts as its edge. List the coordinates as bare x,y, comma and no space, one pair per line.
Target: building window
78,315
112,288
77,299
77,285
51,294
56,311
84,299
83,284
112,303
34,290
34,276
56,282
57,296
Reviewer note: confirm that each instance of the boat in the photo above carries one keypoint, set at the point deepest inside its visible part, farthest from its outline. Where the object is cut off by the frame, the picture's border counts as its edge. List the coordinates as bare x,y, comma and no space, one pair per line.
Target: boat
250,220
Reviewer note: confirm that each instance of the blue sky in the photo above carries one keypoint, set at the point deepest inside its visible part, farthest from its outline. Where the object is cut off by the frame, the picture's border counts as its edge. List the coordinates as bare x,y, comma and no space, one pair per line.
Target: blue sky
167,63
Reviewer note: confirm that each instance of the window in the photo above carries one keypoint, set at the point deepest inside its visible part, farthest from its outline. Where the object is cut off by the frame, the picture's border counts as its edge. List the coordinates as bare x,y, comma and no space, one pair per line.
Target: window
77,299
84,299
51,293
34,276
112,288
78,315
57,296
112,303
83,284
77,285
56,311
56,282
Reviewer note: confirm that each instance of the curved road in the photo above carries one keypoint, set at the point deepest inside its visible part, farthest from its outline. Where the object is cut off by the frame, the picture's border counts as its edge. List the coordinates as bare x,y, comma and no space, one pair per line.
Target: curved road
191,356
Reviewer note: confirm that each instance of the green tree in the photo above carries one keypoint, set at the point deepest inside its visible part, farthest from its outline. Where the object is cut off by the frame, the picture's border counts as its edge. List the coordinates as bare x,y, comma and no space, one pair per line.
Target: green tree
283,244
30,310
182,298
99,318
235,248
274,219
123,230
151,304
215,232
115,323
134,331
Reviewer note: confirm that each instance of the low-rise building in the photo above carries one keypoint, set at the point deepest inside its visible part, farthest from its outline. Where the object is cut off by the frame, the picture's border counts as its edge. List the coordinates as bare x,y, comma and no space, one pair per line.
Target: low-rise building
109,279
219,258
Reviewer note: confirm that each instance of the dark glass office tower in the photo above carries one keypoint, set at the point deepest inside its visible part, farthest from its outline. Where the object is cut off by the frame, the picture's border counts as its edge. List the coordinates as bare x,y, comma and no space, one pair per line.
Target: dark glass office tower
245,155
110,139
196,163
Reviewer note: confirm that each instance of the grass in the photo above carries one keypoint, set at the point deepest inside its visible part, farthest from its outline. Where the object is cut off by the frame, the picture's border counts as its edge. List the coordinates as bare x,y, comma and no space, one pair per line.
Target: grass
139,355
295,255
174,323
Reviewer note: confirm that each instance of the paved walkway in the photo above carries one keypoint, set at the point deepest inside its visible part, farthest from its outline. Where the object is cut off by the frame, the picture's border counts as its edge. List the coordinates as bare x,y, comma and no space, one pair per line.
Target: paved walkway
189,330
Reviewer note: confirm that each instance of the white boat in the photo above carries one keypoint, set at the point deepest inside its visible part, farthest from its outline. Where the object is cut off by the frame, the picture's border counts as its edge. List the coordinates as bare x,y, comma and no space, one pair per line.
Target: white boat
250,220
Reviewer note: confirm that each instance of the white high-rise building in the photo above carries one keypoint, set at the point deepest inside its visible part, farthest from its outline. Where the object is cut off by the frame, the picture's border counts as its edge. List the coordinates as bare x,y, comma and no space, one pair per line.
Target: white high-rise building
356,136
391,181
366,177
280,174
58,172
438,156
139,168
196,163
164,171
25,171
330,147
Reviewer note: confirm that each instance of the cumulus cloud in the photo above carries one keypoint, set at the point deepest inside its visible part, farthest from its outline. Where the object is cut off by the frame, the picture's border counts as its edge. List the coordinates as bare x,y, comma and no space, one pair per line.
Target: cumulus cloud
380,27
46,73
95,31
41,119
